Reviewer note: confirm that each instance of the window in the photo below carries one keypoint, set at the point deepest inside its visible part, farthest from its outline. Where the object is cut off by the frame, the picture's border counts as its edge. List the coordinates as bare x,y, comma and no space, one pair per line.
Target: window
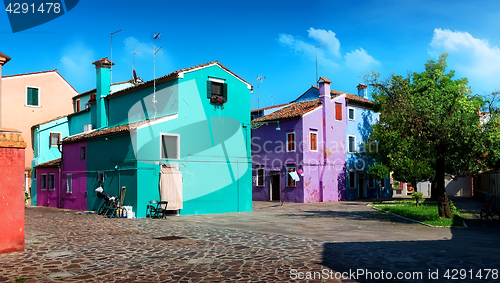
217,91
314,141
92,96
100,176
260,177
170,146
32,96
338,111
82,153
43,182
351,113
352,144
352,179
290,144
371,182
51,181
69,184
34,174
55,138
77,105
290,182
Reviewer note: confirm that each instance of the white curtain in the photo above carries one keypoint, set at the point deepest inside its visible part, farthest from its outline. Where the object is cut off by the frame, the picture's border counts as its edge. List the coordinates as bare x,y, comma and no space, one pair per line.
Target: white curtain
171,187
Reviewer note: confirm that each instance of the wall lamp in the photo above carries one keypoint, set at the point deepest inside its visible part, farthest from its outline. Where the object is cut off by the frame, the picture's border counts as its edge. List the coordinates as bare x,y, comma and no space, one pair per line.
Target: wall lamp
256,125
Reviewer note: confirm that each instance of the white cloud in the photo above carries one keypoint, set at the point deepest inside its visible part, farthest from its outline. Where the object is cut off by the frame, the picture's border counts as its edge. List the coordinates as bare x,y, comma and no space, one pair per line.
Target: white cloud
132,45
471,57
359,60
76,66
330,54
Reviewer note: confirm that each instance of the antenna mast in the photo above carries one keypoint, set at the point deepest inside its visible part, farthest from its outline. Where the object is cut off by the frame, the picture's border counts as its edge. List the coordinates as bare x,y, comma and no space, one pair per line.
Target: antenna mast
155,36
111,69
260,78
316,51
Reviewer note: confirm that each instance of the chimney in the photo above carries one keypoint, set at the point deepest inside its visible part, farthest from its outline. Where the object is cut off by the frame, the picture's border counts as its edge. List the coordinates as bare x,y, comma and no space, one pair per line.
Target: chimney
3,60
362,90
103,87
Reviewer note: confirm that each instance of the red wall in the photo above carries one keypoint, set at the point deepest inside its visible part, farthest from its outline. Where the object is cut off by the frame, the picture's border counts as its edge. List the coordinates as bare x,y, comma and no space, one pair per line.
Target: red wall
12,199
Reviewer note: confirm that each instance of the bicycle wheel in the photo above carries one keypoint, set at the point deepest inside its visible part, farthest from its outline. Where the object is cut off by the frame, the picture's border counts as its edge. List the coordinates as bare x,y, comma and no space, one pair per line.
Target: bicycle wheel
494,214
484,215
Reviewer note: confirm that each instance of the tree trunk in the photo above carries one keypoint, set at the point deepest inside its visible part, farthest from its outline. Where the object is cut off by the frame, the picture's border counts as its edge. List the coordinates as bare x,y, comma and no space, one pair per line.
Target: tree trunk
442,198
434,190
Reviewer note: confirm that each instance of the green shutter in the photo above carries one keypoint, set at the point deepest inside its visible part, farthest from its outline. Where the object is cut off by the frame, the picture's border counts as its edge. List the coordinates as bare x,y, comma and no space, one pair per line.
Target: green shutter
209,89
32,94
224,91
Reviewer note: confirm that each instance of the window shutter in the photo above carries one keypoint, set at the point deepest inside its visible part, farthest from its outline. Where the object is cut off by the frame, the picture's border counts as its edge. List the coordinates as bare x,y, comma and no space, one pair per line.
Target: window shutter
30,96
35,96
224,91
209,89
338,111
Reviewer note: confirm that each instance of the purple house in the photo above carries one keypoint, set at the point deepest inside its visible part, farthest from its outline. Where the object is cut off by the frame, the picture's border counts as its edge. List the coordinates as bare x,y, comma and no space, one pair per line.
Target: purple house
74,193
306,137
48,183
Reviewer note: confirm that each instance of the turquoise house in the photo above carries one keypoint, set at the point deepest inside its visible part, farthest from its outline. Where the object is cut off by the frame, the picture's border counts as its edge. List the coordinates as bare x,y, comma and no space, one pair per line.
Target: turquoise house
184,138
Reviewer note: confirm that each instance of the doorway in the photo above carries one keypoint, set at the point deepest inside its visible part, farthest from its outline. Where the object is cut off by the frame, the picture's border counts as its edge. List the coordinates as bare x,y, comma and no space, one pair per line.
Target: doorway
274,177
362,187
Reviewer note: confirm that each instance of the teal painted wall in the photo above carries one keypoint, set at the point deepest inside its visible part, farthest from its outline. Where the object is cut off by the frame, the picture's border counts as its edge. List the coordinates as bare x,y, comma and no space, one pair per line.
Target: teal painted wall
113,156
77,122
214,147
137,106
42,151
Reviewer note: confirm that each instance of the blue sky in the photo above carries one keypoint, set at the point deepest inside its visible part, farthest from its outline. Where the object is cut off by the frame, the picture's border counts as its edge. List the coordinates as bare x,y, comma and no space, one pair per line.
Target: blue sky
271,38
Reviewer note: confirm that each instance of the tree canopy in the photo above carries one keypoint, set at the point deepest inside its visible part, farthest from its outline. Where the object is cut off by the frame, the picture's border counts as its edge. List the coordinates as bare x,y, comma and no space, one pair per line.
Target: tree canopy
430,125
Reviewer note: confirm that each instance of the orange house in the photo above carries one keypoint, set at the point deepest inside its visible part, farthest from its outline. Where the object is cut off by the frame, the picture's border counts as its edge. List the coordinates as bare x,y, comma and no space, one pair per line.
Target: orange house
31,98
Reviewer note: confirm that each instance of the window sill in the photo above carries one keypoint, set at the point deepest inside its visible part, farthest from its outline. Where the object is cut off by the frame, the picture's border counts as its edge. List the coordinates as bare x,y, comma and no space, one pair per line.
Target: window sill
34,106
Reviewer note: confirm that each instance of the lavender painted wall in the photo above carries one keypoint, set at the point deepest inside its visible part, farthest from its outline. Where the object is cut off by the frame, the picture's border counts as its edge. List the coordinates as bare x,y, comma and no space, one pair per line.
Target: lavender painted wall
75,164
48,197
269,151
324,168
323,176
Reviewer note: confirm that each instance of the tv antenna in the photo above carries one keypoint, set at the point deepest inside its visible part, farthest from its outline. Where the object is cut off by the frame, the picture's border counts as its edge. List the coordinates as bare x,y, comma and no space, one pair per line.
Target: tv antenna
155,36
272,99
111,69
260,79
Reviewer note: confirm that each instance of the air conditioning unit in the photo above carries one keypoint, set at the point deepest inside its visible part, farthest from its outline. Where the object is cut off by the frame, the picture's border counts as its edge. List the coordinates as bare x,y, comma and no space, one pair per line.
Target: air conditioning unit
87,128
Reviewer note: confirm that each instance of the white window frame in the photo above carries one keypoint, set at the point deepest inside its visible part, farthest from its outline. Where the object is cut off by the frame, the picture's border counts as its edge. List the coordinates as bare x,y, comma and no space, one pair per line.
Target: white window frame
288,176
294,142
310,141
353,113
53,182
178,145
69,183
26,97
58,141
43,177
263,177
354,179
349,144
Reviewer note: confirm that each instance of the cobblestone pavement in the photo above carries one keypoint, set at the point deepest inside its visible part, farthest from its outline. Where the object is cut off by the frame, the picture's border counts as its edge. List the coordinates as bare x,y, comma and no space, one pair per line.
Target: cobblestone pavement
269,244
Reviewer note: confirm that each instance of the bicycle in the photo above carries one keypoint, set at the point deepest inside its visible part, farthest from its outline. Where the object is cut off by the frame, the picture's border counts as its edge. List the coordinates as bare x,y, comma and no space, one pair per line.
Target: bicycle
489,211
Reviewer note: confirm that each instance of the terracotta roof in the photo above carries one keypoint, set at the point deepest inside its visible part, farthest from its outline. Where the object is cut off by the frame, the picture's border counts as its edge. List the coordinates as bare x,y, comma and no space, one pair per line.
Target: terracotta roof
294,110
10,130
321,79
298,109
171,76
50,164
117,130
41,72
270,107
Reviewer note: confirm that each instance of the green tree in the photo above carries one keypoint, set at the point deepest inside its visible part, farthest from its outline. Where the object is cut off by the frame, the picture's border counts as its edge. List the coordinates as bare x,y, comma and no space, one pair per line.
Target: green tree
429,126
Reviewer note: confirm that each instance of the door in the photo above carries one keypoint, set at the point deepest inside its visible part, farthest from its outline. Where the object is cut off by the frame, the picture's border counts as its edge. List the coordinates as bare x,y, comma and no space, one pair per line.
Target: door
275,186
362,187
